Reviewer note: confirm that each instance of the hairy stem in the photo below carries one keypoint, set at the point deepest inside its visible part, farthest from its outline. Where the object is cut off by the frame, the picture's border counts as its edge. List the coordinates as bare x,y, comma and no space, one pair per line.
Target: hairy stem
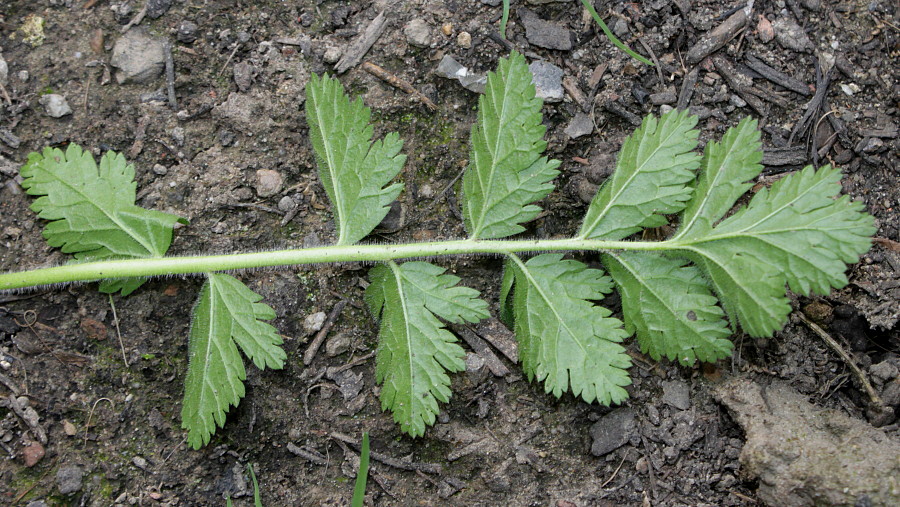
162,266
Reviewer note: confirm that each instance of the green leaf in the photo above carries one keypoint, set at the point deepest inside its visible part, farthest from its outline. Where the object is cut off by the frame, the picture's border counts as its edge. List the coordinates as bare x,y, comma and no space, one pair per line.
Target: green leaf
353,169
91,209
651,179
415,350
227,315
726,168
565,340
796,233
670,307
506,171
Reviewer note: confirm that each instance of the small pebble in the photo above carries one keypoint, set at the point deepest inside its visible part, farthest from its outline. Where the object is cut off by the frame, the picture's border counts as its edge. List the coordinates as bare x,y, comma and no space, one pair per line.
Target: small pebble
286,204
160,169
187,32
418,32
337,344
447,29
547,80
32,453
765,30
268,182
69,428
68,479
314,322
464,40
55,105
332,54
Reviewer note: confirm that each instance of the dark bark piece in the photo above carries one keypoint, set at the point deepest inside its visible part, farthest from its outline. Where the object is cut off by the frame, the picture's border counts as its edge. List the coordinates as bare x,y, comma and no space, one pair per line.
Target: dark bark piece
361,45
713,40
687,88
777,77
735,82
481,348
498,335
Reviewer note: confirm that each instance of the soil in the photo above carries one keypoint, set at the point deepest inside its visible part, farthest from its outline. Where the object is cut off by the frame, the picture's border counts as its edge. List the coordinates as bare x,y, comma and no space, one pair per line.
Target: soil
111,411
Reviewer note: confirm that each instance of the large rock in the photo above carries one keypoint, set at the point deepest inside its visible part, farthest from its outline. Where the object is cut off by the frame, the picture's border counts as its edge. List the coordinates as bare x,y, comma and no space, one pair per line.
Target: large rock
139,57
805,455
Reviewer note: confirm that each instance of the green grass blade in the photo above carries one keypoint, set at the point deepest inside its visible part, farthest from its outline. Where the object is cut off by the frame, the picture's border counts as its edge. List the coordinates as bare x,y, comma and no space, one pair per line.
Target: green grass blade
362,475
504,19
257,500
611,36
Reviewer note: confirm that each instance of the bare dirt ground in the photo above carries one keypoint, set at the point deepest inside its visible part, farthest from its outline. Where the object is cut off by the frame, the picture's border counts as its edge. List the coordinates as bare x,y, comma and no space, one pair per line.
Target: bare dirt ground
107,427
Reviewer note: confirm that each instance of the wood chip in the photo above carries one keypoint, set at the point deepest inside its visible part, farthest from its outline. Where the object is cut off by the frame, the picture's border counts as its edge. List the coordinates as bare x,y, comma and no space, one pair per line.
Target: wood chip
713,40
498,335
358,49
481,348
777,77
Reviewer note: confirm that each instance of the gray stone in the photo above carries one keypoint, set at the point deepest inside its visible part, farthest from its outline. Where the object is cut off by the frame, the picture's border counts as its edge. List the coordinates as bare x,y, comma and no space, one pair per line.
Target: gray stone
451,69
806,455
55,105
547,79
139,57
187,32
418,33
581,125
791,35
243,75
337,344
545,33
314,322
156,8
268,182
677,394
36,503
492,3
68,479
613,431
286,204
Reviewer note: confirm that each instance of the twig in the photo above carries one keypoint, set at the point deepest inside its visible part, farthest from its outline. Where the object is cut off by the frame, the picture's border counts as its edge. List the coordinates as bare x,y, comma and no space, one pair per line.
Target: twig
91,416
118,331
310,353
616,471
398,82
8,382
225,65
315,458
650,52
170,76
873,396
5,95
411,466
351,364
136,20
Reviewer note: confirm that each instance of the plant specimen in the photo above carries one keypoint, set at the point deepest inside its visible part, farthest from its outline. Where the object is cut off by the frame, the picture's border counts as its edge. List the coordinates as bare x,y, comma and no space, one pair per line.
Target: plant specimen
681,297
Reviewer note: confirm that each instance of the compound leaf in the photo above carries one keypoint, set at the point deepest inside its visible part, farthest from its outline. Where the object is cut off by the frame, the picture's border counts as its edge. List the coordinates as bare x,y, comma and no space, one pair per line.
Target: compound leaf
228,314
651,179
353,169
670,307
91,209
727,166
506,170
414,349
796,233
565,340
